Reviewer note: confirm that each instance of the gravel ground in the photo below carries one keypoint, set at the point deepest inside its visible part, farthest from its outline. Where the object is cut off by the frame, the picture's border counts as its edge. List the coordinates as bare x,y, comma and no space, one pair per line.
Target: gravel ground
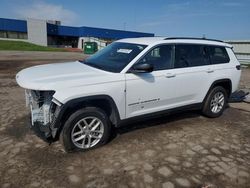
181,150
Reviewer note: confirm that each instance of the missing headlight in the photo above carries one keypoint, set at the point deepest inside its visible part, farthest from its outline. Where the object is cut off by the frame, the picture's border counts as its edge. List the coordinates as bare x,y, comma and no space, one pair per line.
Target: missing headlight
40,105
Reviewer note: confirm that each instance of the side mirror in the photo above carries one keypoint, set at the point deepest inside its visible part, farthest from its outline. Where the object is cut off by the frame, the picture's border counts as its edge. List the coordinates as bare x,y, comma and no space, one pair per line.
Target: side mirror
142,68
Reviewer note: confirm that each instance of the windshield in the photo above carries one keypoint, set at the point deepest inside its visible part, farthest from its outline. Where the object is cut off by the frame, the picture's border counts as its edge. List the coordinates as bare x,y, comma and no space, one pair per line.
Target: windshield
115,56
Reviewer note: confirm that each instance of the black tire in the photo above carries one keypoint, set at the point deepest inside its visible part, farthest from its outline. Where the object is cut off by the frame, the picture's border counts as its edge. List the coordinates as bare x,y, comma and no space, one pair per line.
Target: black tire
206,109
66,134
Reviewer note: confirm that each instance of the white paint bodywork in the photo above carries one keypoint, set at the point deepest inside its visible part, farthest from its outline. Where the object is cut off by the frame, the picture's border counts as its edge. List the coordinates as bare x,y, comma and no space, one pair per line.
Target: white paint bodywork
133,94
74,80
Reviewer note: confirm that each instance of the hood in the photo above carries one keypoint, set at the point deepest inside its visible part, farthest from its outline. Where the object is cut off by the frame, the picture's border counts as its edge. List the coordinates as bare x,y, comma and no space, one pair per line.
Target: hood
62,75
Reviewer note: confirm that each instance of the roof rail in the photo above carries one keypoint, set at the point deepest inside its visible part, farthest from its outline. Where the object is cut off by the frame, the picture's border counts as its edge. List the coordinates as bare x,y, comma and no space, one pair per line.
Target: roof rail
172,38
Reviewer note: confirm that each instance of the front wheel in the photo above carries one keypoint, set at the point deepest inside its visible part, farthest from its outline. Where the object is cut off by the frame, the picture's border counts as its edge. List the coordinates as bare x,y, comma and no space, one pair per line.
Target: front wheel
215,102
85,129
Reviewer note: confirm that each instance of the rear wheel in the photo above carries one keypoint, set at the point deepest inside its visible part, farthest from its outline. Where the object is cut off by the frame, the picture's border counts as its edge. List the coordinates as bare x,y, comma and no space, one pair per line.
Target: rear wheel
85,129
215,102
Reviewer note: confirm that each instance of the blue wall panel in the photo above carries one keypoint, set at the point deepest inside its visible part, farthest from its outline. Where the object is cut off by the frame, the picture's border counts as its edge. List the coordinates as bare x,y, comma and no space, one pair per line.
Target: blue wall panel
13,25
110,33
62,30
58,30
93,32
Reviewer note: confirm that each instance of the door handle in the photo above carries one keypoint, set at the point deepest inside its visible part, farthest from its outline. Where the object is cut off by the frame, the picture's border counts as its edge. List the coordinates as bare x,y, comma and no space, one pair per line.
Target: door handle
210,70
170,75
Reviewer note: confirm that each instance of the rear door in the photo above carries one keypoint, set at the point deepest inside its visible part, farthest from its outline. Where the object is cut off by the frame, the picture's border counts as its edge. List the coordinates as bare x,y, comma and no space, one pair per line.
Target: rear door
193,73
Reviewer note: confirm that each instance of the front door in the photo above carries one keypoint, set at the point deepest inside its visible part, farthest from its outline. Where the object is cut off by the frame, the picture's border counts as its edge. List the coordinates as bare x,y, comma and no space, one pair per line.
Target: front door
154,91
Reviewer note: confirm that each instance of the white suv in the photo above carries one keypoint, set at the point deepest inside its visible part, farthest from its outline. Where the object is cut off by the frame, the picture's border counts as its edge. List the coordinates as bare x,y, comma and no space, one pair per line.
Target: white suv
79,102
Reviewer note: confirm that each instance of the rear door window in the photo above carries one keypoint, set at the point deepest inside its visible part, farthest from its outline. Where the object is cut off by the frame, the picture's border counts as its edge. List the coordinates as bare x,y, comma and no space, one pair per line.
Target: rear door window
218,55
190,55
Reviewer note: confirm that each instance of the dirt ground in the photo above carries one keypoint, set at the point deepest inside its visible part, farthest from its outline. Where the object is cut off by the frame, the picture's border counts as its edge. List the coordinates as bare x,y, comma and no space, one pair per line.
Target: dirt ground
182,150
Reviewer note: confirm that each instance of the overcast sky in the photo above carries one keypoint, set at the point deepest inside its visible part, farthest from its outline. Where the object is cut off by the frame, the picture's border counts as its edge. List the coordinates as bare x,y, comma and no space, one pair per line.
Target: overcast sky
221,19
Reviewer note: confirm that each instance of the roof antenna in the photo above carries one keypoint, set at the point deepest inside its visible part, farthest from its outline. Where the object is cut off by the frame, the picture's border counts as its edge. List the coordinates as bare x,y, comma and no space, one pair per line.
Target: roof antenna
203,36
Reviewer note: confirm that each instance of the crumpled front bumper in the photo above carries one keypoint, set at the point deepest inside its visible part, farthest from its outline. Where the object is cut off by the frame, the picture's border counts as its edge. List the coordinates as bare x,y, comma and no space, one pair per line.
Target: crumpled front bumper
43,113
42,131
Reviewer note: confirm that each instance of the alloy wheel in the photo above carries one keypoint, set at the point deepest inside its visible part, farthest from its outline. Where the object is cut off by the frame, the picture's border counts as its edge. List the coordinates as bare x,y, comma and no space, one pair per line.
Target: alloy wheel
87,132
217,102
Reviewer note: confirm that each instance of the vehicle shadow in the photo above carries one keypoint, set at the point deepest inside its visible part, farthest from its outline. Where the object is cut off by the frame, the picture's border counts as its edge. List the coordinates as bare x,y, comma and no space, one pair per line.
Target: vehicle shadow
153,121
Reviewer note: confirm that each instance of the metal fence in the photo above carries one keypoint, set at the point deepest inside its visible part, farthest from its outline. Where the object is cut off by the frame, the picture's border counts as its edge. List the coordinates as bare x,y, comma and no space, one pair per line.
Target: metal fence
242,50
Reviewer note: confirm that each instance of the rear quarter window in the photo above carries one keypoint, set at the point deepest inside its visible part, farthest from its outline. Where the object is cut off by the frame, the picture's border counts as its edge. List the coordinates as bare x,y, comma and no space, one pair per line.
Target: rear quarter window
218,55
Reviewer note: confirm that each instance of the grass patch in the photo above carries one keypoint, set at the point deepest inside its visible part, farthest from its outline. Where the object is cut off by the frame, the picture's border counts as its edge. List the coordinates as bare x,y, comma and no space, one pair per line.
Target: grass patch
26,46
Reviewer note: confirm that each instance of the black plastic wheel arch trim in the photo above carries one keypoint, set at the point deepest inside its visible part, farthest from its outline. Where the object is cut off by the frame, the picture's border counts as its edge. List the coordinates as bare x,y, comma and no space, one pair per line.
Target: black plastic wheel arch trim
73,102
